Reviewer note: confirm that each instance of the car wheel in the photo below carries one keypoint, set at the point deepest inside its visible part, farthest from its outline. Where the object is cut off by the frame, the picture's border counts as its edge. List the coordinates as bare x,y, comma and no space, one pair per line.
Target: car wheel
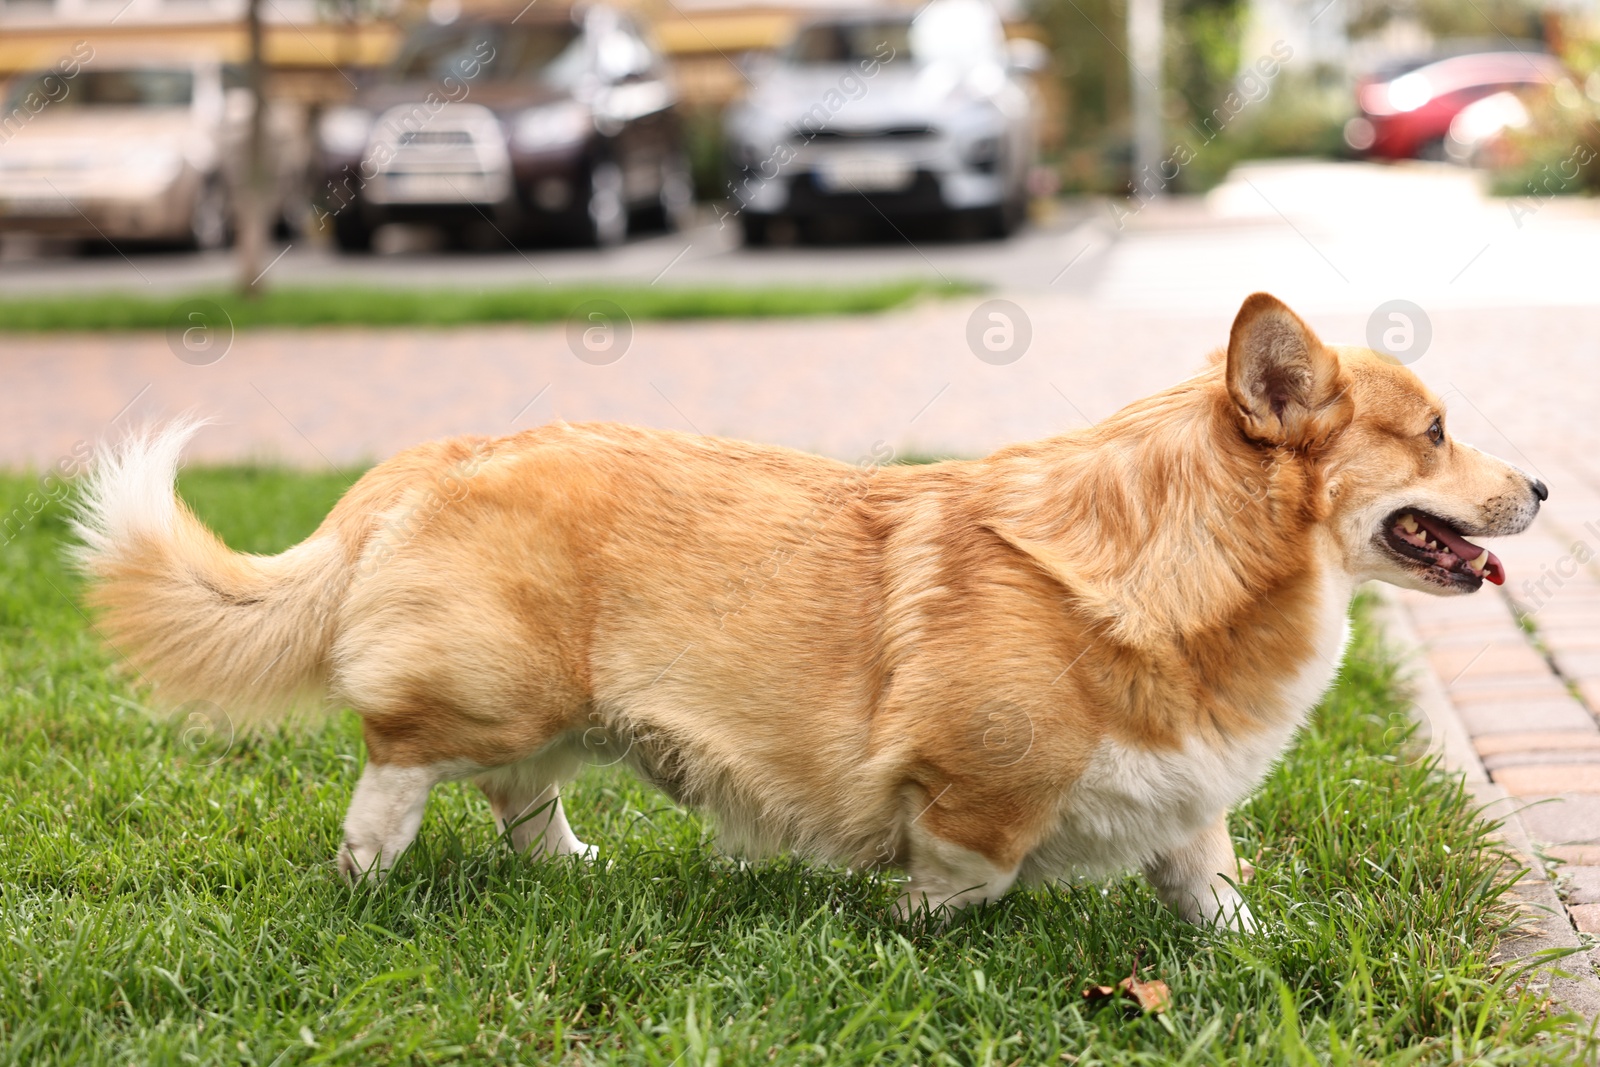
1013,212
1433,150
351,232
763,230
607,209
754,228
677,195
208,219
1002,220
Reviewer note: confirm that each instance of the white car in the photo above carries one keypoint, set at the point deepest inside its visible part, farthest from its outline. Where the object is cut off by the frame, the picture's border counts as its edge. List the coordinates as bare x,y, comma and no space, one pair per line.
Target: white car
145,150
888,113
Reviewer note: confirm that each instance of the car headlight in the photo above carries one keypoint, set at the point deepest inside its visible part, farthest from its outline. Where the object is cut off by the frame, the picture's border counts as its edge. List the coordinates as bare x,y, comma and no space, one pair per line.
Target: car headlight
753,143
982,154
551,126
1409,92
750,153
343,131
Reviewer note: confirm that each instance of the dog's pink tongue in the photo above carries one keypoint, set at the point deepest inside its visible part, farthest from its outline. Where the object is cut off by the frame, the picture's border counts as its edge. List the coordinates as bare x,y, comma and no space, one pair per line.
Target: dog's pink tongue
1493,570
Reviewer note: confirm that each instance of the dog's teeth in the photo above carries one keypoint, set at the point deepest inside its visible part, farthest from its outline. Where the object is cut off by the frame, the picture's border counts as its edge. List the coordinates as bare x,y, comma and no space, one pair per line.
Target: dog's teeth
1431,544
1408,524
1481,562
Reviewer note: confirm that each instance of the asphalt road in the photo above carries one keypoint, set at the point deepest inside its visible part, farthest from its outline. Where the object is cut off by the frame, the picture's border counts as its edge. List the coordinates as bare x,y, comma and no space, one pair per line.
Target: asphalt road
708,254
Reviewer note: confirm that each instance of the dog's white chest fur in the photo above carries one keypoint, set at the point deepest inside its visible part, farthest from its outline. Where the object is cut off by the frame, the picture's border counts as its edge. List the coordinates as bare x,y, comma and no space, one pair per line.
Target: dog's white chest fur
1132,802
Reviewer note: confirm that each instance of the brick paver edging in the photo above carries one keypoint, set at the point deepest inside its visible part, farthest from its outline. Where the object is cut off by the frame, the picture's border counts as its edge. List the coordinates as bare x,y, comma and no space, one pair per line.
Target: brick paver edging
1570,981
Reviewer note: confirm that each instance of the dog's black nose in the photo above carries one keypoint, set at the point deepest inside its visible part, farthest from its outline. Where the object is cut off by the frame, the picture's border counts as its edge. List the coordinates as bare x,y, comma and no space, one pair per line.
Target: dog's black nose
1541,490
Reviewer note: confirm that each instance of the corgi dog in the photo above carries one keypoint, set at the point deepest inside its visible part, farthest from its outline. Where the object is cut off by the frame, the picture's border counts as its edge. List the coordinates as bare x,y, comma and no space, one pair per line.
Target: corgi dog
1069,657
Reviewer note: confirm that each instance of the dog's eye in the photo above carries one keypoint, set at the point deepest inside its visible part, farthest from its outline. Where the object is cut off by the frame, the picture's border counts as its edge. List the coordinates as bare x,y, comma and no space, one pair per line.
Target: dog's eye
1436,432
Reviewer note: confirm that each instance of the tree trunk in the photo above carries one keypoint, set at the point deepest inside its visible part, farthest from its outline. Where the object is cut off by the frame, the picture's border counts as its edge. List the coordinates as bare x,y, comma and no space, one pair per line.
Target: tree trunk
250,218
1145,55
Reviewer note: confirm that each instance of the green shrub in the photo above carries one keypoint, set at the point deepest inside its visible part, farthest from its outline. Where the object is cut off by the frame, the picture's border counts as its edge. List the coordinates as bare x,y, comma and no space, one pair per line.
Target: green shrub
1302,115
1558,154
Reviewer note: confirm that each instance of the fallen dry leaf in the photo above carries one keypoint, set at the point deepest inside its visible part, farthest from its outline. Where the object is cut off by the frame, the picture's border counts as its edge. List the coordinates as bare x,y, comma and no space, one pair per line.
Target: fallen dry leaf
1096,993
1151,996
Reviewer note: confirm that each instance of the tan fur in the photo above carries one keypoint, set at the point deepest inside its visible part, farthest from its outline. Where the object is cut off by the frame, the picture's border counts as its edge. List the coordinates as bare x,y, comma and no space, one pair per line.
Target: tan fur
847,661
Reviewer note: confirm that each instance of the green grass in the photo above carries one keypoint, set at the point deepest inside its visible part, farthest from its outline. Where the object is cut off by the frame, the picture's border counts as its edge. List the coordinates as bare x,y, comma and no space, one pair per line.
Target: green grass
165,898
357,306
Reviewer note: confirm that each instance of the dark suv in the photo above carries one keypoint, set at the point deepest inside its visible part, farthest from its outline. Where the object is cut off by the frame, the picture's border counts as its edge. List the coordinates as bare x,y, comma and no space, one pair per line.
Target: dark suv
553,124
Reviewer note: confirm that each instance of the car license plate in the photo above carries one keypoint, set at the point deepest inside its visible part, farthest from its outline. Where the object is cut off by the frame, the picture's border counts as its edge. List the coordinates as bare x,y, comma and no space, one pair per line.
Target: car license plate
441,188
866,174
38,207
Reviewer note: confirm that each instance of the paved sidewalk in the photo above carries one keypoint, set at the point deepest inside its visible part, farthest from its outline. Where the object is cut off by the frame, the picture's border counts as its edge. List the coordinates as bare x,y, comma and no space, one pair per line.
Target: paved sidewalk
1514,382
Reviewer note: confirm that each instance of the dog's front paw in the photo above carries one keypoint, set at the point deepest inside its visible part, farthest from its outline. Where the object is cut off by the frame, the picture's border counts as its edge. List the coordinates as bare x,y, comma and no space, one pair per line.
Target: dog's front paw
566,847
906,906
917,904
358,865
1240,919
1225,910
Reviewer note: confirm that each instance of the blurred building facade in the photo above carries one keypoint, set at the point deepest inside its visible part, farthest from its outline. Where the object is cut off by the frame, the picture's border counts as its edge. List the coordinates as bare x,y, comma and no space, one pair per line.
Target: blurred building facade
307,45
311,45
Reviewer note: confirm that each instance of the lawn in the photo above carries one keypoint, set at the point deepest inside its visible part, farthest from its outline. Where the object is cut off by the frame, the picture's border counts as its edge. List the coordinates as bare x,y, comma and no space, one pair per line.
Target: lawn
168,896
441,306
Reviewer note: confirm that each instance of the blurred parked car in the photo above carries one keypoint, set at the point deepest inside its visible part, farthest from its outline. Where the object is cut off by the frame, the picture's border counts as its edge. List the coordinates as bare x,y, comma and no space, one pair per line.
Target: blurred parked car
886,113
136,151
1406,111
553,123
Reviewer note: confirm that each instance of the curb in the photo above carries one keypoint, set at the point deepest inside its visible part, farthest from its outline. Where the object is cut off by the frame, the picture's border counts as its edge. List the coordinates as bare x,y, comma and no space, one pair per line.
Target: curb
1546,924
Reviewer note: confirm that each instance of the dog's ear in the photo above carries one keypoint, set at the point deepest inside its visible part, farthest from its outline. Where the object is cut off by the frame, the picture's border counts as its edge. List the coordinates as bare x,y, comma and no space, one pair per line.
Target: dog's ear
1282,379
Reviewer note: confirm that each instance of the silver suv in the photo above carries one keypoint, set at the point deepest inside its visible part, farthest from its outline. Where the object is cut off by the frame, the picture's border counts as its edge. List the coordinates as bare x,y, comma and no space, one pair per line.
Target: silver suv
887,113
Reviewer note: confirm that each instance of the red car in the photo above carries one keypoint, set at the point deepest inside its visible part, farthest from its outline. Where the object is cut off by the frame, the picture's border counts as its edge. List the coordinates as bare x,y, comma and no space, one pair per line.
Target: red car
1406,113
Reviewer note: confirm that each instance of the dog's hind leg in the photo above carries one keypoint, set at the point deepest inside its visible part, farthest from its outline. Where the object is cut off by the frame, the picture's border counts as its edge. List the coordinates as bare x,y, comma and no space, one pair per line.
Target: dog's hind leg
1196,879
526,800
946,877
385,814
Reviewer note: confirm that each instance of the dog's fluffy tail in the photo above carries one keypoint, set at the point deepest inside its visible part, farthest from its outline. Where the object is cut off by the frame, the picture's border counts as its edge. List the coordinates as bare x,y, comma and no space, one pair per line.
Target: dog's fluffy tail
248,633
